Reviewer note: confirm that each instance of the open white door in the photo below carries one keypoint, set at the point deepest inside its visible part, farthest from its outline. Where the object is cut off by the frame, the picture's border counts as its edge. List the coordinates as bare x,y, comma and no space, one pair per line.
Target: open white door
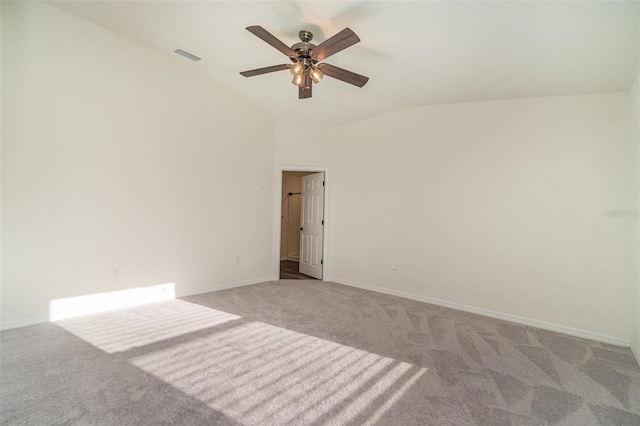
311,225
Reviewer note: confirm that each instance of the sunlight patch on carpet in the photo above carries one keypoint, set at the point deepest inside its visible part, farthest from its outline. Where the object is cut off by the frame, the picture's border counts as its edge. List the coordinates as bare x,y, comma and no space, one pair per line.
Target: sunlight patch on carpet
250,371
255,371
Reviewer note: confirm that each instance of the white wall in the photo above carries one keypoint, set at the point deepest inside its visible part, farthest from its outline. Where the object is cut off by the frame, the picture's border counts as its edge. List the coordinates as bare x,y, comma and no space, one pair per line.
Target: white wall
635,123
296,146
497,206
117,155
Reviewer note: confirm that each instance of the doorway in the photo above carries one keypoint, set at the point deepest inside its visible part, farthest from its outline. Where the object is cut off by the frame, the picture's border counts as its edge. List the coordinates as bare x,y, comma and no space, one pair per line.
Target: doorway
301,225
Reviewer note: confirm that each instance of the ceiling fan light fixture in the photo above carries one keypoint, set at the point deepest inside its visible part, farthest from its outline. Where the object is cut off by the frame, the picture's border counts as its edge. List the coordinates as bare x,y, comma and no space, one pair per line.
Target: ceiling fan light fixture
297,69
298,80
316,75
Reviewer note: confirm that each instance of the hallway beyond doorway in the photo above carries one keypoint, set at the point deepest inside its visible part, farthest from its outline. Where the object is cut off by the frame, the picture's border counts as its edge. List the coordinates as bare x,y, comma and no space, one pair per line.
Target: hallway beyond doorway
289,271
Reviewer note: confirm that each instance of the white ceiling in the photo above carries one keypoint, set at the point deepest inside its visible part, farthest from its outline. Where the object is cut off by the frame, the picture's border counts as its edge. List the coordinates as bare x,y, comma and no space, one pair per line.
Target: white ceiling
415,53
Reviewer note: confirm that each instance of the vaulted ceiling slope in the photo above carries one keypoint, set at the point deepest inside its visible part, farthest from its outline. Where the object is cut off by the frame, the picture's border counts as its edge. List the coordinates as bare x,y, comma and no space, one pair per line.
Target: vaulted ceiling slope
415,53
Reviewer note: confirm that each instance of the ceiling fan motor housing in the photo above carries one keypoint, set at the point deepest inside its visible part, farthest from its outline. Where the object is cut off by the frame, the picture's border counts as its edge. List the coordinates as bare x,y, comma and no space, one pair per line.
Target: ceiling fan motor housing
304,49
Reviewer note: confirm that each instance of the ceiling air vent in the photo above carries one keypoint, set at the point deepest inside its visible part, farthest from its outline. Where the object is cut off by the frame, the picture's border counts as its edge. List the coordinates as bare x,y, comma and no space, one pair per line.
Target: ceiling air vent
187,55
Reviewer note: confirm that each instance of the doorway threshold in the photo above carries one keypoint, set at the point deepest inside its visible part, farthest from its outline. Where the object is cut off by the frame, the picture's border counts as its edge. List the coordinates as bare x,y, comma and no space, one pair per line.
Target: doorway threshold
289,271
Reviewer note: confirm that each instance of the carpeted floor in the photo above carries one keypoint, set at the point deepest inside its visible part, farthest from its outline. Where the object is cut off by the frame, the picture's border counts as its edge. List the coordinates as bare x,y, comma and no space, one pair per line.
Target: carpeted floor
312,353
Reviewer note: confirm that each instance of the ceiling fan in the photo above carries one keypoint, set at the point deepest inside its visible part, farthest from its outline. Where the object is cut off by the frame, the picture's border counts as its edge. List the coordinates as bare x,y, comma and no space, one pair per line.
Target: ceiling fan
307,67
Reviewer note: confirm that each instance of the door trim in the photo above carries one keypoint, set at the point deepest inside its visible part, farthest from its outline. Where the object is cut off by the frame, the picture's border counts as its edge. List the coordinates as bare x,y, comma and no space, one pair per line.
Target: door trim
277,212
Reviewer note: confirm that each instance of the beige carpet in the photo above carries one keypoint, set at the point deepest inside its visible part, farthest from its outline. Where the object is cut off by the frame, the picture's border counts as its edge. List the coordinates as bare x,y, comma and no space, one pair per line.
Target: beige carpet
312,353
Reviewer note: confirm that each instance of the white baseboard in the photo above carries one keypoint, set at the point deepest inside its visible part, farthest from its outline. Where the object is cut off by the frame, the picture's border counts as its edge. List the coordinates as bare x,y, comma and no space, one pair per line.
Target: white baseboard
8,325
223,286
40,320
494,314
636,351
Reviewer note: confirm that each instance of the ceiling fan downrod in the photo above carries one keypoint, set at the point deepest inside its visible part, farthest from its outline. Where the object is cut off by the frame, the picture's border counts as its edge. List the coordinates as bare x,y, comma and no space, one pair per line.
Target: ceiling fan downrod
305,36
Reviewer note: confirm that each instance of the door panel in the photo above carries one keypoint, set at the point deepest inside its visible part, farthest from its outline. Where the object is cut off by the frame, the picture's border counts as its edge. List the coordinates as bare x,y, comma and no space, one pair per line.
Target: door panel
311,225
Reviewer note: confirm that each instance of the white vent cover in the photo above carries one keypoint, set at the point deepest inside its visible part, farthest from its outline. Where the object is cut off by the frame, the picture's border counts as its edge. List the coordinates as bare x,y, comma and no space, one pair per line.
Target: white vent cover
187,55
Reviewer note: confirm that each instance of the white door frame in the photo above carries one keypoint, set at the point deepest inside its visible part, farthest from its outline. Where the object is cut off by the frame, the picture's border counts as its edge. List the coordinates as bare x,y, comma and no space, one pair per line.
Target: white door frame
277,212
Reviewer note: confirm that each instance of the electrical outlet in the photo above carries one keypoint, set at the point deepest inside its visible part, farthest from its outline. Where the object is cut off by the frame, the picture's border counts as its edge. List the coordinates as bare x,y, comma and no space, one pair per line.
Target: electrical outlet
394,265
116,271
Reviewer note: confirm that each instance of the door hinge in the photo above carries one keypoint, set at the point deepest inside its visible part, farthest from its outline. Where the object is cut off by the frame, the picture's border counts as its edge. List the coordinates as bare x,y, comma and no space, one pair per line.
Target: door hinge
322,183
322,222
322,261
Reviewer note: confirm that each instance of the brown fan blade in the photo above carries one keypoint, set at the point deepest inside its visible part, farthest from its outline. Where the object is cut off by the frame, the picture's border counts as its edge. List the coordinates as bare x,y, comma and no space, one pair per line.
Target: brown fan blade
333,45
305,90
272,40
265,70
344,75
